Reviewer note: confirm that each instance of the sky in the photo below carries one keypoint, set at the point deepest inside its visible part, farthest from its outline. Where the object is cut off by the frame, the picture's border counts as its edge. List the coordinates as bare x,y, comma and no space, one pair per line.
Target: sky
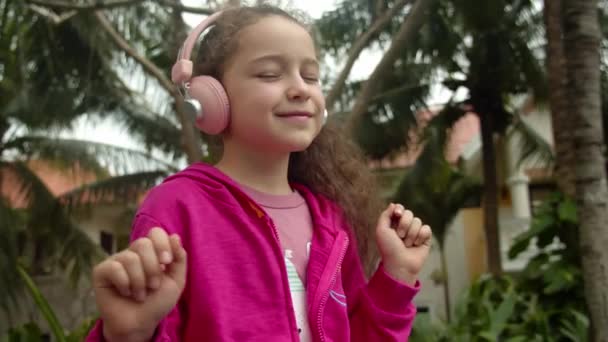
108,132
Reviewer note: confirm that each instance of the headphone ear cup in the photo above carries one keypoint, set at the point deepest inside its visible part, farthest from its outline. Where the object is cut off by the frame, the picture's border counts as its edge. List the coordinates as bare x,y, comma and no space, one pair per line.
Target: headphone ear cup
214,114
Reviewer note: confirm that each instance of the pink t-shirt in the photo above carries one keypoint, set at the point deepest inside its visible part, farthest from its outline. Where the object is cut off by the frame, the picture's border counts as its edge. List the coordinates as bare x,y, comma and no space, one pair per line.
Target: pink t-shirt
292,219
293,222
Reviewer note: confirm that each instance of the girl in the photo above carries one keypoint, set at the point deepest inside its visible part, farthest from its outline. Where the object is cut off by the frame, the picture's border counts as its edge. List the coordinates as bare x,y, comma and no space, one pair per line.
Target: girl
269,243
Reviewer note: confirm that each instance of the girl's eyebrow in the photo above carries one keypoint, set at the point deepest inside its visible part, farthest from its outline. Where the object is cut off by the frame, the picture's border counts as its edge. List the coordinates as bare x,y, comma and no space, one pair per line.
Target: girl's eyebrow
312,62
281,60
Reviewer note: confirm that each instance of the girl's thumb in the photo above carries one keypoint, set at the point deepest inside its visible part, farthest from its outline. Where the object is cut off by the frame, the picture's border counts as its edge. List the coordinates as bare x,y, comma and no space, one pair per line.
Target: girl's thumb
384,221
177,269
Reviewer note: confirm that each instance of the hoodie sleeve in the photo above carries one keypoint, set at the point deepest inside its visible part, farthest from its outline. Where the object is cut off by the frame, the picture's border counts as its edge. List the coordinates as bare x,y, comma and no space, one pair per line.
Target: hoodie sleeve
381,309
169,329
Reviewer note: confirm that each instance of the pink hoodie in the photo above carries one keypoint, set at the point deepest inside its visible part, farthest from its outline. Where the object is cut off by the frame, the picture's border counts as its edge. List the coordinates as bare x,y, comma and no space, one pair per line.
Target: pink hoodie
237,287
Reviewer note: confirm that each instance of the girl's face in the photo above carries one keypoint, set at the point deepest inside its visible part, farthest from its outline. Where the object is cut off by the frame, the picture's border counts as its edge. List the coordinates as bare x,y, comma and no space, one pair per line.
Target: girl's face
273,86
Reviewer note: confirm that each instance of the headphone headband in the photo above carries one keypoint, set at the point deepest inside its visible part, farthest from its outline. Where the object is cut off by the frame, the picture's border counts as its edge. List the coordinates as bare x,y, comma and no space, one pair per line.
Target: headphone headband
182,69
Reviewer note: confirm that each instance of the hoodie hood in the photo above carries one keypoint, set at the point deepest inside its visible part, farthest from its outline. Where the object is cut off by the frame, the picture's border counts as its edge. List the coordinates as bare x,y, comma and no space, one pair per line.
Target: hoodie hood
223,188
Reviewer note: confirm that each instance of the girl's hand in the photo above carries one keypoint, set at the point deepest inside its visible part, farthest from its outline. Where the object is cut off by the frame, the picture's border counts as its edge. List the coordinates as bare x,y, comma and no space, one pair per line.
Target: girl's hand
403,241
136,288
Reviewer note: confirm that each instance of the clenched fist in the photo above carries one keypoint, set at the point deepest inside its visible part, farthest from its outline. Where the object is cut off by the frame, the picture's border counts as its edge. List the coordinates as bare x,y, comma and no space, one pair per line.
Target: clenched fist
403,241
137,287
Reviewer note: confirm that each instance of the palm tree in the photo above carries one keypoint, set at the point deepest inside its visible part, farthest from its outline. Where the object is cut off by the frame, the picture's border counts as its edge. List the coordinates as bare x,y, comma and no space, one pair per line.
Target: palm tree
42,236
436,191
51,74
58,70
491,49
582,38
496,42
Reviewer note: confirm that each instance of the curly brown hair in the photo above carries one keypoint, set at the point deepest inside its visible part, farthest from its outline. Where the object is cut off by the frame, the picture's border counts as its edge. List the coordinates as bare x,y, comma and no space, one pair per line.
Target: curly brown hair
332,165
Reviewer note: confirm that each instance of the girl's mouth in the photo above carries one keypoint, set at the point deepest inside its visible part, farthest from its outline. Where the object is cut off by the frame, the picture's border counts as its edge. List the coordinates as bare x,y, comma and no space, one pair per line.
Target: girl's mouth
295,114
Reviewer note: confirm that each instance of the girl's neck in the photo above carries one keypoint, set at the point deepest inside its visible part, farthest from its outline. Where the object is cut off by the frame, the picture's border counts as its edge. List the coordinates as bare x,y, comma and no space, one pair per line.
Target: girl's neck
264,172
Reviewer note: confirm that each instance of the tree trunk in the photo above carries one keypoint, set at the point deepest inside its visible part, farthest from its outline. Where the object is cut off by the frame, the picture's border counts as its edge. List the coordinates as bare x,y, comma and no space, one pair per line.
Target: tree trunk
446,284
361,43
408,29
490,193
581,45
190,138
561,120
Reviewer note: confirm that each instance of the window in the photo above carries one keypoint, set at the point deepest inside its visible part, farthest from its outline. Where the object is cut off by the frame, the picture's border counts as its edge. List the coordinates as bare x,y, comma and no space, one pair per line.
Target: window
107,242
423,309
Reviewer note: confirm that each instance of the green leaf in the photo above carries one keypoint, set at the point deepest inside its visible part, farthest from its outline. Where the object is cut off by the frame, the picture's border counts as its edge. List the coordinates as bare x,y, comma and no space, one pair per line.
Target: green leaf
519,246
500,317
534,149
11,288
43,306
518,339
29,332
560,276
540,225
567,211
488,336
575,328
535,267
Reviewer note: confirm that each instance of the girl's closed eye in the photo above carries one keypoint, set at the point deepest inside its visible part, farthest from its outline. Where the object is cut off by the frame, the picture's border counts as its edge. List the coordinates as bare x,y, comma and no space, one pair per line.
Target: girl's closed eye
268,76
310,73
311,78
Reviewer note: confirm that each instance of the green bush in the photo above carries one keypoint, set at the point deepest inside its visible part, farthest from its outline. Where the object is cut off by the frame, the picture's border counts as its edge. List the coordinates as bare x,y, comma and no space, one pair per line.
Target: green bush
31,332
544,302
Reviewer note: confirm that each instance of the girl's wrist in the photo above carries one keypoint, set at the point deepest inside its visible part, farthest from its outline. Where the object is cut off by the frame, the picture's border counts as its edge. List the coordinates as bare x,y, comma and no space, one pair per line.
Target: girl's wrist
141,335
400,274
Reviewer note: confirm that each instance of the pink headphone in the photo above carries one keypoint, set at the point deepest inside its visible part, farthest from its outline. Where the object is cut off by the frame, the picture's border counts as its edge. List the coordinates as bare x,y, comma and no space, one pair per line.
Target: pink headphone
203,95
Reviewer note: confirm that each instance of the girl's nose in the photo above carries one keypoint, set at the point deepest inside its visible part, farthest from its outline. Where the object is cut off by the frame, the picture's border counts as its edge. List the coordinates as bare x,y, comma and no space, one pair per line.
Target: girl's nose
298,89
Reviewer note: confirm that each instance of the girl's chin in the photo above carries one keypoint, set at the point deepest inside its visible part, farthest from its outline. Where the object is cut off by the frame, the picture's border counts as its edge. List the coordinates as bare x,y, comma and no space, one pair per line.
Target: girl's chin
281,143
297,145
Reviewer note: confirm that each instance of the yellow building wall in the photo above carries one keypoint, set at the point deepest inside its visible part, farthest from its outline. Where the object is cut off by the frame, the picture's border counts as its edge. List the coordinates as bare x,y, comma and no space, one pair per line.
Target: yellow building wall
474,239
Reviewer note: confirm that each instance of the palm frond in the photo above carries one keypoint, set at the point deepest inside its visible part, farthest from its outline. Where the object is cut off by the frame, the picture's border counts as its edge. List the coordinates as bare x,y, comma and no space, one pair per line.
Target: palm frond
31,188
53,241
94,156
385,132
78,253
529,63
340,27
119,189
437,130
533,148
52,75
393,113
146,27
11,225
151,128
434,190
42,304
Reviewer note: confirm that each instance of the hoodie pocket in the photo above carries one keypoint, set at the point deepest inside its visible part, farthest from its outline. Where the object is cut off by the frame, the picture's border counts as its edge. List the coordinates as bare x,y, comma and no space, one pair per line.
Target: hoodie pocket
335,317
335,313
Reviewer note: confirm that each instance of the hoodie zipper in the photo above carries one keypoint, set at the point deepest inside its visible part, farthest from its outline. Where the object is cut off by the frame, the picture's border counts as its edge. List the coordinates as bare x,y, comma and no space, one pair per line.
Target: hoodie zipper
331,283
261,214
275,232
